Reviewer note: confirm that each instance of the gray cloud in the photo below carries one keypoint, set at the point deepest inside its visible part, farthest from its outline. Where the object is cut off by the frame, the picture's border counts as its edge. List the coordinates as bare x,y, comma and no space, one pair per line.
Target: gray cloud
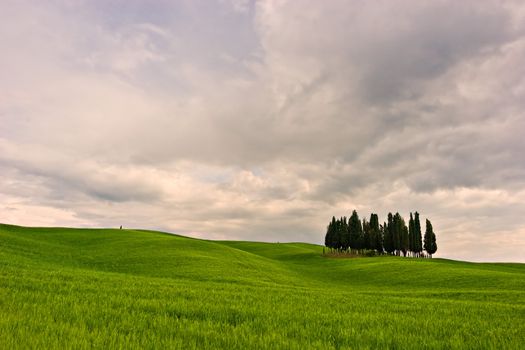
261,120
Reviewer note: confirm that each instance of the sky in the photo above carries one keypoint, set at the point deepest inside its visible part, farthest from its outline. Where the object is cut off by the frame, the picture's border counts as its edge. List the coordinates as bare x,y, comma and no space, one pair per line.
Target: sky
260,120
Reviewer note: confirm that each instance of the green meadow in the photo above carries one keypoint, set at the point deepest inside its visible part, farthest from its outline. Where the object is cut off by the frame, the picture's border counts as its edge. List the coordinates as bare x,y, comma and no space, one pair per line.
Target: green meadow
104,288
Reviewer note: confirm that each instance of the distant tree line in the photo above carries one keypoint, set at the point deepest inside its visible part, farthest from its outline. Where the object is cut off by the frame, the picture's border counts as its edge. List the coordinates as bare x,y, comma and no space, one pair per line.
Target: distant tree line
393,237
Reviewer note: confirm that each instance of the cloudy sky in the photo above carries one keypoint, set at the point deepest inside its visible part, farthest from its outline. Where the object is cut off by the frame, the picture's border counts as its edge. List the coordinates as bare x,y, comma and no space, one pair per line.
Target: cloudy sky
259,120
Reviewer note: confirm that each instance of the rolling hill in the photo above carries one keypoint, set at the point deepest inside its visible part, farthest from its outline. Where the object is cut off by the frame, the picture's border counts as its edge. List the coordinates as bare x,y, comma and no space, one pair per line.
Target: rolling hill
107,288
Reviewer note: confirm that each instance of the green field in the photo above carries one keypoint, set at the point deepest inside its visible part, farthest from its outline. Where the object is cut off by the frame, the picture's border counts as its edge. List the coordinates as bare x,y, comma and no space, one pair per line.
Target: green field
104,288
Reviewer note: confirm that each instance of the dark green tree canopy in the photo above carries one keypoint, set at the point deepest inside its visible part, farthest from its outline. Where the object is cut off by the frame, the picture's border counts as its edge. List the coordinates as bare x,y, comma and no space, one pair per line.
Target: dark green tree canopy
430,239
389,235
376,237
418,243
368,237
411,234
356,231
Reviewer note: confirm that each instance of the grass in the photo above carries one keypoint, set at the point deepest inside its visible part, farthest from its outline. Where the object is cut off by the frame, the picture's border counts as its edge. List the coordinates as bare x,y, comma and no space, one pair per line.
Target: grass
104,288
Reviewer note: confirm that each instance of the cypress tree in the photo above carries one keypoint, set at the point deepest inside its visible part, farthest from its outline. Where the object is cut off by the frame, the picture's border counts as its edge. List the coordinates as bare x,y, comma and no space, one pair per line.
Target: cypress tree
335,234
339,234
383,229
430,239
334,239
329,238
356,231
375,234
411,235
397,233
388,234
418,244
404,239
366,235
345,237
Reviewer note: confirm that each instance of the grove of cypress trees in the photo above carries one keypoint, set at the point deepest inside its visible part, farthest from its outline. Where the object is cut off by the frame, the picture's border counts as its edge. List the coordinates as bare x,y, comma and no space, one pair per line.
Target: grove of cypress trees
394,236
430,239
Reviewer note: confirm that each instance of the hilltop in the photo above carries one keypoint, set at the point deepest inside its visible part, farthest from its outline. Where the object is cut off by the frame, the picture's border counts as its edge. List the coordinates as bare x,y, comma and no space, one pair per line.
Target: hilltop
106,288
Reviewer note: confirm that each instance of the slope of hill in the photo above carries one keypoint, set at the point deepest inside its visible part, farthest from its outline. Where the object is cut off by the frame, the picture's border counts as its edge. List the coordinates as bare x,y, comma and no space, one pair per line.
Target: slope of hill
105,288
